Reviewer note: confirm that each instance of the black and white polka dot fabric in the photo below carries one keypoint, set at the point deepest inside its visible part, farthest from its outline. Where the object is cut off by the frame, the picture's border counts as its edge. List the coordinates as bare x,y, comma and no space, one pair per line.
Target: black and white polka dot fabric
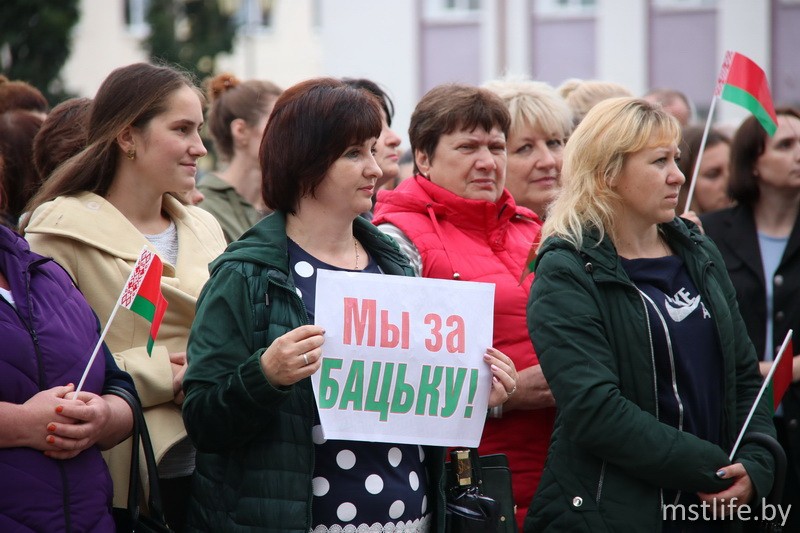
361,487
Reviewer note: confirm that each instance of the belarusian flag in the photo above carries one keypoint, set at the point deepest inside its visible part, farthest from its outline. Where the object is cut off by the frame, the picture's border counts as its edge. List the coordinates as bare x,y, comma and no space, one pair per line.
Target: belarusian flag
782,377
530,261
744,83
142,293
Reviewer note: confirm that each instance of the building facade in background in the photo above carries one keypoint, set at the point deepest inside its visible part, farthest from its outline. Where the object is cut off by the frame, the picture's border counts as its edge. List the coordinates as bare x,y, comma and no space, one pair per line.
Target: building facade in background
409,46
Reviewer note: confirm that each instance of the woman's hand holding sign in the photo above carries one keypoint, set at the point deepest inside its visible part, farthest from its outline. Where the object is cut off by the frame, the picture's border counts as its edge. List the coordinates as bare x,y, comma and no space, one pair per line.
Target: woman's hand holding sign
504,376
293,356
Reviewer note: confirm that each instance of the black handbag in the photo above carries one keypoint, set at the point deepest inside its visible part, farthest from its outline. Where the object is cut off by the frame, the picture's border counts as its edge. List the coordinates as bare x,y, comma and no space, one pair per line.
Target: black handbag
479,494
132,519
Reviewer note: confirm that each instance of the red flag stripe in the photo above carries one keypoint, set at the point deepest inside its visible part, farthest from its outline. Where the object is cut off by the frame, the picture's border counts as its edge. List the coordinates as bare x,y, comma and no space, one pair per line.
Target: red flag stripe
782,377
748,76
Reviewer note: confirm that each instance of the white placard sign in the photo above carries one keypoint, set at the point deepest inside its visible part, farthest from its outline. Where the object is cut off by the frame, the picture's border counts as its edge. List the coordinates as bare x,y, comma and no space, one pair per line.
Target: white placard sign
403,358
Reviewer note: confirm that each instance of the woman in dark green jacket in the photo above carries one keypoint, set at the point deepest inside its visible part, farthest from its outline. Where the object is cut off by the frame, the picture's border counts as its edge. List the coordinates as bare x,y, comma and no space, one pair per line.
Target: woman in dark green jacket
639,335
262,462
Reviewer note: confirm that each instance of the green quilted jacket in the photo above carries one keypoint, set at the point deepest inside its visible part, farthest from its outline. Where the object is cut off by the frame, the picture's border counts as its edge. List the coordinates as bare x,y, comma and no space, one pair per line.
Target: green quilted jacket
255,456
610,456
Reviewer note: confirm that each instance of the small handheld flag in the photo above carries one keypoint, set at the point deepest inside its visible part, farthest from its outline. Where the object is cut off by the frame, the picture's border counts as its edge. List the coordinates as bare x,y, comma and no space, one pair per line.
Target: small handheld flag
777,365
783,375
742,82
530,261
142,295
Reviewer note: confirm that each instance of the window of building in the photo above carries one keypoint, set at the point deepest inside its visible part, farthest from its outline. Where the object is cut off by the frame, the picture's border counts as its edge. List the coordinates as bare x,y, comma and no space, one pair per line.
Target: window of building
559,8
136,16
684,4
452,8
254,15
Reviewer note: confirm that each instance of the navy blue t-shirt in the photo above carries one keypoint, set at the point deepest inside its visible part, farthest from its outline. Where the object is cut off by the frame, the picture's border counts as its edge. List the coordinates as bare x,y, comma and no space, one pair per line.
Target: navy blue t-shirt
688,358
362,484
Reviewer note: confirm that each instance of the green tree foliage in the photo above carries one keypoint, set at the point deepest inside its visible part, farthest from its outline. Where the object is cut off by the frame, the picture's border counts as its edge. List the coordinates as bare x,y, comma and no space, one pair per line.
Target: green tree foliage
189,33
35,42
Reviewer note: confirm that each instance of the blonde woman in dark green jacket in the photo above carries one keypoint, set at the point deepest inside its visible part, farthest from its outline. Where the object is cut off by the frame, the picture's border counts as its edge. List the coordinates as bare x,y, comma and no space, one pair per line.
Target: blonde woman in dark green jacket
639,335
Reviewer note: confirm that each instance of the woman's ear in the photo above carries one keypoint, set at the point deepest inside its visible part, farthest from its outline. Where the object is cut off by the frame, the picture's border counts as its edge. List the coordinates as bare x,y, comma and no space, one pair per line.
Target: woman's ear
239,131
126,141
423,162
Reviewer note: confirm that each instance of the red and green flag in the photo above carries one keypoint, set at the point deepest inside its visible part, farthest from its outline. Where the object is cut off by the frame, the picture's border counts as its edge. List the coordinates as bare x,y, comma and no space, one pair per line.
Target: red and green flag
530,261
782,377
742,82
142,293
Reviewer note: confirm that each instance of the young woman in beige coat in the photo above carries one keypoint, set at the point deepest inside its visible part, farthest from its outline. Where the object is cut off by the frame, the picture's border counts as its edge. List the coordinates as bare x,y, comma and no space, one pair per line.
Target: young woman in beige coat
95,214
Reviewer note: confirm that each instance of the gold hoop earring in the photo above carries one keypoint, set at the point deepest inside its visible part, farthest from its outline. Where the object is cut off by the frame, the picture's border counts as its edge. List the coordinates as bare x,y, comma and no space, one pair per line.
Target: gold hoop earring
131,154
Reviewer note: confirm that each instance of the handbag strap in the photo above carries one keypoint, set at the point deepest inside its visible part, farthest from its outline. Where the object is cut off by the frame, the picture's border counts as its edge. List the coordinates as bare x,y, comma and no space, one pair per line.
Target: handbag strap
140,435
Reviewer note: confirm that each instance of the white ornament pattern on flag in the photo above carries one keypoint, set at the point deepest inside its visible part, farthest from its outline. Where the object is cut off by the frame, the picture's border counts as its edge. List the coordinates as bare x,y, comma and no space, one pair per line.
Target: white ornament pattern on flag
722,79
135,279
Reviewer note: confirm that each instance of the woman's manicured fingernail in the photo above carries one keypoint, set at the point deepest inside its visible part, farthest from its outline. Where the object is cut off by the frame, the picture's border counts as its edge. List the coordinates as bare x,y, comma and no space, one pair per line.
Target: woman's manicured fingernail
59,408
720,473
51,439
51,427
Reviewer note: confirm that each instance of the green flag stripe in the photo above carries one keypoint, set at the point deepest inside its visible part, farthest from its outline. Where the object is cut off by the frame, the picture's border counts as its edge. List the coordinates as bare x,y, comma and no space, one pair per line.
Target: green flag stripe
748,101
143,307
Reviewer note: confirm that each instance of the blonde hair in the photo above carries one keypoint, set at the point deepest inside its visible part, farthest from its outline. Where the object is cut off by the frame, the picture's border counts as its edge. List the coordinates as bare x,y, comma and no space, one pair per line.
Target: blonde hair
535,104
594,157
582,95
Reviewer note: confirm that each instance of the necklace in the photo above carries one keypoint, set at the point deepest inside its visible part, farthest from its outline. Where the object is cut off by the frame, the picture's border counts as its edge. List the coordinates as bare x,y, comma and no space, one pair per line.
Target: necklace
355,245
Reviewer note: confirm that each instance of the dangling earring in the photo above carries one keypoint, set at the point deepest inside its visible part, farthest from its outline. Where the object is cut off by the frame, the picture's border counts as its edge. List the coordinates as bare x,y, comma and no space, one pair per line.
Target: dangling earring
131,154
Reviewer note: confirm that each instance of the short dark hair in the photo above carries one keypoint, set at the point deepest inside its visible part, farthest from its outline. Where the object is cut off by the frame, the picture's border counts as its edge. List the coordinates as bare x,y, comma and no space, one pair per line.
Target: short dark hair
310,127
747,146
691,138
450,107
62,135
18,94
17,130
374,89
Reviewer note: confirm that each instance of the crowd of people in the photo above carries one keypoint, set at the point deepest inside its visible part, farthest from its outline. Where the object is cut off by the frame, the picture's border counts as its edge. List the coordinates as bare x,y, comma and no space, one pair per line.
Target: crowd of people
624,359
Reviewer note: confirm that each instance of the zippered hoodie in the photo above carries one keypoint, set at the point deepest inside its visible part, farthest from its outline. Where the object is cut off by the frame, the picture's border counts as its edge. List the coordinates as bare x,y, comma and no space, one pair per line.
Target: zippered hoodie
255,455
610,456
46,342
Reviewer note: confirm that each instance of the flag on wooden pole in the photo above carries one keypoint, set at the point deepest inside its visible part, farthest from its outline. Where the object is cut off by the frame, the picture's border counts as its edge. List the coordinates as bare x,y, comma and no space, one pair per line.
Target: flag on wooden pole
742,82
142,293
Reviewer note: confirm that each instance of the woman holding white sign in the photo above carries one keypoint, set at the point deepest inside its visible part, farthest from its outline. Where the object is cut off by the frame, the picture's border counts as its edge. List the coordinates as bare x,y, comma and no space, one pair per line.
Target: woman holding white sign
250,407
635,321
456,220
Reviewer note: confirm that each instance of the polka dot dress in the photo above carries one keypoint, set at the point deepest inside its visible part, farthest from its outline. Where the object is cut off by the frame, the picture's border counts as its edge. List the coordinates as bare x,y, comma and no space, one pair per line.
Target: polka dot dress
361,486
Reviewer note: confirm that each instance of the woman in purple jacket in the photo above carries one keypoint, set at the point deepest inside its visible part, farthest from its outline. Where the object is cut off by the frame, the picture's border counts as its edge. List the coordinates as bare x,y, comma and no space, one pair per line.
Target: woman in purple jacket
53,475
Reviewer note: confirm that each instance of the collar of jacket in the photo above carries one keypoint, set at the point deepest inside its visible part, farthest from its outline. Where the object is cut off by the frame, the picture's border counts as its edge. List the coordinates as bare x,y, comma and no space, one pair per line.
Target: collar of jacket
214,182
91,219
419,195
265,244
16,262
602,260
